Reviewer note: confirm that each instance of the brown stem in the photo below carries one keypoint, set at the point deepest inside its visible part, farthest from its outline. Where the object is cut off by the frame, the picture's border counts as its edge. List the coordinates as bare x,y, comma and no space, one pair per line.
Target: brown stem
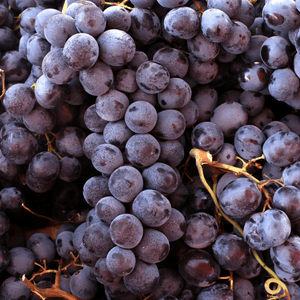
50,292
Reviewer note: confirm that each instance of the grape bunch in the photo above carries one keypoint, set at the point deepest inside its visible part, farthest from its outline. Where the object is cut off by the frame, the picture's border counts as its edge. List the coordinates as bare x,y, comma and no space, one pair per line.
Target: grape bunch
149,149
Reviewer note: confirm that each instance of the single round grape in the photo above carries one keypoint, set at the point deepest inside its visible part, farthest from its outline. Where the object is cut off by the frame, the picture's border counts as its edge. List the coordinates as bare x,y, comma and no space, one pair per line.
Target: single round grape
86,257
175,226
116,47
95,188
42,246
126,231
175,17
91,20
19,100
14,288
222,117
117,133
125,183
140,117
69,141
230,251
153,247
108,208
170,124
252,269
117,18
152,77
19,145
274,127
21,261
98,79
227,155
240,198
40,120
201,230
125,81
42,18
70,169
282,148
207,136
145,25
82,286
81,51
268,224
248,141
171,152
97,239
216,25
93,121
112,105
174,60
142,150
91,142
198,268
106,158
103,275
250,233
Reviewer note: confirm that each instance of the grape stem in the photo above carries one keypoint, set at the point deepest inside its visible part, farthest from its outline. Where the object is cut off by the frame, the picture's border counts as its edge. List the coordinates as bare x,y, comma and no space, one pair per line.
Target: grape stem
2,74
205,158
120,4
199,7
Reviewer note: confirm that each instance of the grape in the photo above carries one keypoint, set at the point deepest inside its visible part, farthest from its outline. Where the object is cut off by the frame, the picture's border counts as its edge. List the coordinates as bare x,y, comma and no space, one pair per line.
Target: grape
97,239
216,25
153,247
70,169
251,269
199,268
27,19
143,279
16,67
174,60
208,136
253,52
240,198
78,234
140,117
160,177
171,152
86,257
170,124
248,141
69,141
175,95
48,94
19,100
14,288
202,72
230,251
42,246
201,230
126,231
103,275
142,150
152,208
42,18
93,121
108,208
215,292
227,155
96,80
39,120
250,233
82,286
112,105
117,18
19,145
152,77
58,28
81,51
21,261
268,224
91,20
120,262
281,148
117,133
116,47
106,158
95,188
145,25
125,81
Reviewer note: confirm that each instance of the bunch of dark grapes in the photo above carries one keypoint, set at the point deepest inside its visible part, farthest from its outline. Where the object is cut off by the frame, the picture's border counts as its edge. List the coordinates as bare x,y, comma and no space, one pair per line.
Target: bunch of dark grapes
102,106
